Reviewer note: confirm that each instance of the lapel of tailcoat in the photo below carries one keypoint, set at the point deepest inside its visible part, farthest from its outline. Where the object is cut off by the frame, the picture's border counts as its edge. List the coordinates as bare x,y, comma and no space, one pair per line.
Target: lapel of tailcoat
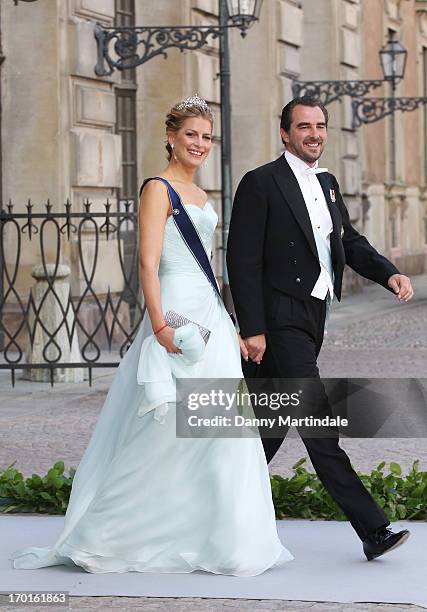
290,189
292,194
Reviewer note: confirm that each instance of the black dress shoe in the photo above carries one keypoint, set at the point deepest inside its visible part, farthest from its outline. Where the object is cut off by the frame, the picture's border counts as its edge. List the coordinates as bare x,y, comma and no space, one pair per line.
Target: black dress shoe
382,541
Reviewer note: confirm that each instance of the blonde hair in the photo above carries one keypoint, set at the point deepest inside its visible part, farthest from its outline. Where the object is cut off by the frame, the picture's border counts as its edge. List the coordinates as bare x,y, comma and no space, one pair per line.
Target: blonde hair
191,107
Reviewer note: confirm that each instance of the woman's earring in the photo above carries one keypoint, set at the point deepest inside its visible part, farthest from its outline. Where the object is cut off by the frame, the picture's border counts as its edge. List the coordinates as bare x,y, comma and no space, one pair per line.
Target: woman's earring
173,151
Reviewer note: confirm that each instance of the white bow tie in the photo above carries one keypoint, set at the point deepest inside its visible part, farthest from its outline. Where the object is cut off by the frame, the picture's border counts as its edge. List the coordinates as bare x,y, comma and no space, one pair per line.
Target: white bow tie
314,170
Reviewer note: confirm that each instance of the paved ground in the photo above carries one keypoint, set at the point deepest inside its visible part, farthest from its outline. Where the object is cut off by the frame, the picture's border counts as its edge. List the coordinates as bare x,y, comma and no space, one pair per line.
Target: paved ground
370,335
132,604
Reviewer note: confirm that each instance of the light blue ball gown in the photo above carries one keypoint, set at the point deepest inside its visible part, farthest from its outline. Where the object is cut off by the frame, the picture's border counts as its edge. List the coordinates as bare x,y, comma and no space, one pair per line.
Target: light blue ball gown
144,500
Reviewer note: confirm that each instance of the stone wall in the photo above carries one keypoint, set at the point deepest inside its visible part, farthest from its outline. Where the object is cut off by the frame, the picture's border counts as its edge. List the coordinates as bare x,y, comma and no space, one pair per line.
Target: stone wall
59,119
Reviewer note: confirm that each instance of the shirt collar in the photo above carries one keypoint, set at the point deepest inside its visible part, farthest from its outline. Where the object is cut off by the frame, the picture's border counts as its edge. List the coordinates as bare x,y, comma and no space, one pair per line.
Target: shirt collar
296,163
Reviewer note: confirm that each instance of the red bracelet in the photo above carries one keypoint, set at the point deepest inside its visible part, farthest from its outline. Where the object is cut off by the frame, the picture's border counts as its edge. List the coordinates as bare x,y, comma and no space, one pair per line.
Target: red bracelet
160,329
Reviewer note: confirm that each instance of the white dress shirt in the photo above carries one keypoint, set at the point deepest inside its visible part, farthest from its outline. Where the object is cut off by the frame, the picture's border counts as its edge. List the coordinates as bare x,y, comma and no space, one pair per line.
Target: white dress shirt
319,214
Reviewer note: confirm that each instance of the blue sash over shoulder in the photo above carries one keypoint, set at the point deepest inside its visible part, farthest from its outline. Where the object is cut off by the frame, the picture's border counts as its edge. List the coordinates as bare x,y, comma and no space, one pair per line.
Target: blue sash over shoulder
188,231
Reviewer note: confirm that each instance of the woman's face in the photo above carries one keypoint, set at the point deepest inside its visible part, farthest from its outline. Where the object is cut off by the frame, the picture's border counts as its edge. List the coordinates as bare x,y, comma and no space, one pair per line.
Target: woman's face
192,142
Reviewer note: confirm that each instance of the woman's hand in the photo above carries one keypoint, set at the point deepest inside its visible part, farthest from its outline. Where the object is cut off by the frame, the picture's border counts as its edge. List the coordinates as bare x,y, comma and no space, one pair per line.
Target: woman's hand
165,338
256,345
243,349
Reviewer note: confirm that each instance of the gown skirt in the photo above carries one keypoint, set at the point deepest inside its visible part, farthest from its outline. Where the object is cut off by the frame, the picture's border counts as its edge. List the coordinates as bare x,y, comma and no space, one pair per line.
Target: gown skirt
145,500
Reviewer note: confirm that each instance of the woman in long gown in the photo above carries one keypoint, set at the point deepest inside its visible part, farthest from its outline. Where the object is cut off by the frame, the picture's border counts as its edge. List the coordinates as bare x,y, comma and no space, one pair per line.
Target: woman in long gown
143,499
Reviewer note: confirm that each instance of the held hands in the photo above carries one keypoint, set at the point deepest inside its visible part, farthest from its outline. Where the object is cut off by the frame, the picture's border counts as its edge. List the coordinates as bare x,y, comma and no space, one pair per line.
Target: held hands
401,285
165,338
253,348
243,349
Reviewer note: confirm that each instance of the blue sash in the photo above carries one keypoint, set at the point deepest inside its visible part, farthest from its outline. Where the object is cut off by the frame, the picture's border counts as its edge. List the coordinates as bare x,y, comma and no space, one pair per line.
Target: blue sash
188,231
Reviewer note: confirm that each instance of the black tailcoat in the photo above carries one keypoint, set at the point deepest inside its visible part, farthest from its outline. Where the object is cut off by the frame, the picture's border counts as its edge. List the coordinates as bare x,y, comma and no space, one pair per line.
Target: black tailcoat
271,246
273,266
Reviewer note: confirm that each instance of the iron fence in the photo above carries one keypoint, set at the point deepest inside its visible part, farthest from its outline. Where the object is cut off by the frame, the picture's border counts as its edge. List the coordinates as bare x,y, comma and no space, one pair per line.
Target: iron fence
85,298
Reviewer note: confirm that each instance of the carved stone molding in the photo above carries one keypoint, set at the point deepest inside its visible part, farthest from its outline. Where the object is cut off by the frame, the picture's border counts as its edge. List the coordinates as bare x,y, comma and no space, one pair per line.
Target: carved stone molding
397,202
404,205
421,6
421,10
392,9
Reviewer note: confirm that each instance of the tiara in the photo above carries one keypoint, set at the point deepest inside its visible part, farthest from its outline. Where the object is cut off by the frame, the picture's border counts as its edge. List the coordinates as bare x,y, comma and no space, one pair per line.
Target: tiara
193,101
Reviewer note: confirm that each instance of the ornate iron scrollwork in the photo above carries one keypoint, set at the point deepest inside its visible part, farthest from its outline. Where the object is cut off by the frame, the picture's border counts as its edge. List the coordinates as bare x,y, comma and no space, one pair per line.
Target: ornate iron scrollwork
369,110
329,91
118,312
123,48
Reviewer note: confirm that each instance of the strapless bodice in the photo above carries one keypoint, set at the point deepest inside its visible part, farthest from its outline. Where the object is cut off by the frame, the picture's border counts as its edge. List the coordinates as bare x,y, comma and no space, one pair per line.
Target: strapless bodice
176,257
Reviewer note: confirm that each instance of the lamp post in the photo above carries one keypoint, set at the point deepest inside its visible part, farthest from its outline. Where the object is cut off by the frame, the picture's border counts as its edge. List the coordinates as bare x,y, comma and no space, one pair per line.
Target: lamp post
134,46
226,176
368,110
393,62
239,12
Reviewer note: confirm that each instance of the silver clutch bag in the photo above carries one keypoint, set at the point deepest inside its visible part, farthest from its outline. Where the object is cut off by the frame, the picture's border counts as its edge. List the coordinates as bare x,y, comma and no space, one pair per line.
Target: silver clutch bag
175,320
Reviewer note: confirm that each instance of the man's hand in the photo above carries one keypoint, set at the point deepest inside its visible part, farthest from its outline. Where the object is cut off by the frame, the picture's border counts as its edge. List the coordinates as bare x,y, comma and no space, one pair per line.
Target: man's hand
255,345
401,285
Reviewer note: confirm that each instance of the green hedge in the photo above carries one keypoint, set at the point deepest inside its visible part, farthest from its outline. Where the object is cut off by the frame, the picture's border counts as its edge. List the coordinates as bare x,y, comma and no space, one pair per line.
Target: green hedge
49,494
300,496
304,496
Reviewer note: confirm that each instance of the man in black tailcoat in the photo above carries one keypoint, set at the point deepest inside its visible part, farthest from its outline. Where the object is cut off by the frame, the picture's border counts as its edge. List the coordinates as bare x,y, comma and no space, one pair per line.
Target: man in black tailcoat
290,238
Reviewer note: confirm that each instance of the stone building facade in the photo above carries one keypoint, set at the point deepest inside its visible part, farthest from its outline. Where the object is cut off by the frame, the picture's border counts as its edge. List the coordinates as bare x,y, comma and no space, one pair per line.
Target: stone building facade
66,132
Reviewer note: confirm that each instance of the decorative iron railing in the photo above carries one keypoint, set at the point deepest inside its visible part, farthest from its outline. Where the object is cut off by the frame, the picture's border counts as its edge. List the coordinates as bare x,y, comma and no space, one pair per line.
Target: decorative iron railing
85,298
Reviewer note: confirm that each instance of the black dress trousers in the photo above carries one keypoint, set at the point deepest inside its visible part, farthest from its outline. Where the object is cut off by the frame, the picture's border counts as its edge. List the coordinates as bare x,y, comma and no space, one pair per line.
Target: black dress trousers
294,338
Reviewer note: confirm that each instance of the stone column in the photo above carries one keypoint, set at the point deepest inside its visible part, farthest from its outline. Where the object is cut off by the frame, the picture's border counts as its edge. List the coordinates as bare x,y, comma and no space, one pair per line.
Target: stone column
47,318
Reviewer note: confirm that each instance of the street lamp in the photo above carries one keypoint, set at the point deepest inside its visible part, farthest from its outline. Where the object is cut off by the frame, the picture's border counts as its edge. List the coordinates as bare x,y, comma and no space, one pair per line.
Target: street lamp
369,110
393,63
239,12
244,12
133,46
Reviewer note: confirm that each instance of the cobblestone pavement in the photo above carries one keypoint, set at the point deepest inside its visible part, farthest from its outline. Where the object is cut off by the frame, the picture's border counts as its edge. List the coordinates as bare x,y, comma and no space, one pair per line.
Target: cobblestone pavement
197,604
370,335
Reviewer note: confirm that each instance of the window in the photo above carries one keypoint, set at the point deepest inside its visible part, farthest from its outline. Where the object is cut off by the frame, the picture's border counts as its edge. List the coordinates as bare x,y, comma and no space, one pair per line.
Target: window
125,17
126,110
126,127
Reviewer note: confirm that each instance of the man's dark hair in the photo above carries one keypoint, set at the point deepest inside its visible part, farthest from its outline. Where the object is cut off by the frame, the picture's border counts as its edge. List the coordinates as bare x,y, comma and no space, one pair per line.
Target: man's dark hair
286,119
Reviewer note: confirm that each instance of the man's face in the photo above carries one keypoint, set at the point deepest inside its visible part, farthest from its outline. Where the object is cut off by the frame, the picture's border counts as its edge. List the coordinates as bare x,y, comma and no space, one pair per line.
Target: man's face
307,135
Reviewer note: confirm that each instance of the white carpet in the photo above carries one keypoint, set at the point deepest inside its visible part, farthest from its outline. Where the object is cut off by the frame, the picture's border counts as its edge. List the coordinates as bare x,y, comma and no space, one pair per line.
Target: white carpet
329,566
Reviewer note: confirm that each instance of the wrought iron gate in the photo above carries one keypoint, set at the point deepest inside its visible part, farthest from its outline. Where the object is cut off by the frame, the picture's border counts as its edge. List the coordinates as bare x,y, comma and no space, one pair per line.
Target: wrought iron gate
92,313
